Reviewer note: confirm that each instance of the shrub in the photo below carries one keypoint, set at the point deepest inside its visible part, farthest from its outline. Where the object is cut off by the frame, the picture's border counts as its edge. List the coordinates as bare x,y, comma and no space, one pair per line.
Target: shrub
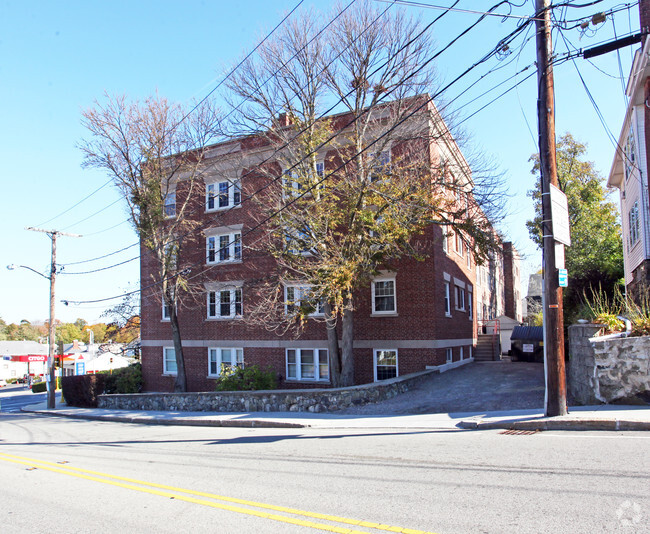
248,378
83,390
39,387
124,380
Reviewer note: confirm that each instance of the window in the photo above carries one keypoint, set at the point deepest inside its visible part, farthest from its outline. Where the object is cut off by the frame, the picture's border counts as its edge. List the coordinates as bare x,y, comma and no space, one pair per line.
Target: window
307,364
459,244
445,242
299,241
380,166
460,298
385,364
218,357
291,185
450,355
223,248
320,169
447,300
383,296
170,204
630,154
296,296
224,303
166,314
222,195
462,353
470,296
169,361
633,218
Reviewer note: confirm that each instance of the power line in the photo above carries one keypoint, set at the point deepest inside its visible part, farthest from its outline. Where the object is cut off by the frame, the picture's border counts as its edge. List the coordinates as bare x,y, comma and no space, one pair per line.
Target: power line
358,154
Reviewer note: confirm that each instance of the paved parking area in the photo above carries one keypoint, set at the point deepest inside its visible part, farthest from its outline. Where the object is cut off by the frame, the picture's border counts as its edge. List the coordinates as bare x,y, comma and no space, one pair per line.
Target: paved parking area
478,386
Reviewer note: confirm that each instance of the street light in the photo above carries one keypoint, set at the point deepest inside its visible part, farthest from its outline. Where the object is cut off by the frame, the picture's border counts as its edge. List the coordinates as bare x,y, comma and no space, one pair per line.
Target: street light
51,384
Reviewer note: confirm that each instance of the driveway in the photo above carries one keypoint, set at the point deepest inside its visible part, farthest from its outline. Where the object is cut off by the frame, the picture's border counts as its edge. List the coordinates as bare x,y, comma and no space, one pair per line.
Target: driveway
478,386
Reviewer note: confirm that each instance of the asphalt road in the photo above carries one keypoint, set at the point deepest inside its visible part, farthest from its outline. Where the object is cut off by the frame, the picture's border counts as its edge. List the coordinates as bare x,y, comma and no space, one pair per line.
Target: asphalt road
73,476
14,396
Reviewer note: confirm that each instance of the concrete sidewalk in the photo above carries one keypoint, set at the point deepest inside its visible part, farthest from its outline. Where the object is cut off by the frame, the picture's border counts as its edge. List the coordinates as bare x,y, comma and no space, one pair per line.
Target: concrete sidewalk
579,418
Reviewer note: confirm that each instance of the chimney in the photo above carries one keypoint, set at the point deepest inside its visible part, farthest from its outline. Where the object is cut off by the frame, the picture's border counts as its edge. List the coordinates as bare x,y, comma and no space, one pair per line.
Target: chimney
283,120
75,345
644,18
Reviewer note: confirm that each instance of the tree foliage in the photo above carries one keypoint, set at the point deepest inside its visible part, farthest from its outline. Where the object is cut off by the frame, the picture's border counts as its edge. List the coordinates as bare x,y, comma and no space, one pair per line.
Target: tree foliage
595,258
153,151
334,233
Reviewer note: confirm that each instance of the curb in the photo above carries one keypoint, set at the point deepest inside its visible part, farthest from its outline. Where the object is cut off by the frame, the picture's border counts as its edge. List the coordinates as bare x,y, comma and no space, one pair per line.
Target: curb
251,423
555,424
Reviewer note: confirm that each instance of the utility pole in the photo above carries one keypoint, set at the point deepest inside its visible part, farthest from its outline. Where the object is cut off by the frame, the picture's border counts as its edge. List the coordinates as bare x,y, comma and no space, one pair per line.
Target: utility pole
556,403
51,385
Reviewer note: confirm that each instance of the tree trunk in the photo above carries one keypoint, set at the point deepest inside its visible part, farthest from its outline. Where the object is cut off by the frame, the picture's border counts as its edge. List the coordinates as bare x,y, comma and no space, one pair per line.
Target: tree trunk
333,346
180,384
347,354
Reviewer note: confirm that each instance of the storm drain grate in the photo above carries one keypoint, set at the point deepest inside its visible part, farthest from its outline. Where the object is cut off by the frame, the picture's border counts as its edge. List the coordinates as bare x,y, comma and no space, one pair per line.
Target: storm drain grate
513,432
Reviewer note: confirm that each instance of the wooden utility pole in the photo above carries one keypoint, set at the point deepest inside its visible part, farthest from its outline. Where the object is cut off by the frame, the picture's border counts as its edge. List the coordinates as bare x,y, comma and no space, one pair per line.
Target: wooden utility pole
51,386
556,403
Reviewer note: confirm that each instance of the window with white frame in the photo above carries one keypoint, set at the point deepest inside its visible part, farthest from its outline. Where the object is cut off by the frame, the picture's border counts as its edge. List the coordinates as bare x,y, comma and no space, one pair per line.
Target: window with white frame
291,185
460,297
630,154
169,361
225,303
320,169
296,296
459,244
445,242
447,299
166,313
299,242
633,218
385,364
221,195
383,296
450,355
307,364
470,297
223,248
170,204
218,358
380,167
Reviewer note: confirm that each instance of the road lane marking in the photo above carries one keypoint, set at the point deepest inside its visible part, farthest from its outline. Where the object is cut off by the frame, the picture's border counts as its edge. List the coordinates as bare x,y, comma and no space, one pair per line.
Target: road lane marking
154,489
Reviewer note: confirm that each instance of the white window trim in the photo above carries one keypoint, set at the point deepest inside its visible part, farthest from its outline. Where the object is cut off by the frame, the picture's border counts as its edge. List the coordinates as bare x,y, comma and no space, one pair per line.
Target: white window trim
301,290
234,186
374,363
164,362
233,239
470,305
169,195
232,289
458,290
449,355
239,359
384,313
447,299
298,364
459,244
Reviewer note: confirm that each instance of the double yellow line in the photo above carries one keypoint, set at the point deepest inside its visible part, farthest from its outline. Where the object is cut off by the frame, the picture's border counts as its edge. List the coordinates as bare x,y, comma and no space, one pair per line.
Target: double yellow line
186,495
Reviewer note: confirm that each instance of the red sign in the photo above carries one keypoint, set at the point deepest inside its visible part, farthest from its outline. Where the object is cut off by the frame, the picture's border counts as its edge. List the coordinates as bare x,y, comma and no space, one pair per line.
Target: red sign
32,358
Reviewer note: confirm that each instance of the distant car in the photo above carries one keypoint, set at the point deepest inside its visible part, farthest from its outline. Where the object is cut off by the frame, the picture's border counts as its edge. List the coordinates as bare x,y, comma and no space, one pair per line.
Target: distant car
3,383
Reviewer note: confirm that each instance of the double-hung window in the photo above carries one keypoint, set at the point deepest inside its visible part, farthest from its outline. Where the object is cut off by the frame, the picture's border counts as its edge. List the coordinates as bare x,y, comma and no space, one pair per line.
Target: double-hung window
221,195
633,218
380,166
224,248
169,361
460,298
307,364
459,244
470,297
385,364
447,299
296,296
291,185
218,358
384,296
170,204
320,169
225,303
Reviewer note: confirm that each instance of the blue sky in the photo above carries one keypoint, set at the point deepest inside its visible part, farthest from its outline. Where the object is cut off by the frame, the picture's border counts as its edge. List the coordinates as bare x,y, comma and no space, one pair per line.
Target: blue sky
57,58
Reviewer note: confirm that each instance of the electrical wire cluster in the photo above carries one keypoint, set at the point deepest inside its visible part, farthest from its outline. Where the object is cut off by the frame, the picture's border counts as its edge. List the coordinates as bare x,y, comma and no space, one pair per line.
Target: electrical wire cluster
506,52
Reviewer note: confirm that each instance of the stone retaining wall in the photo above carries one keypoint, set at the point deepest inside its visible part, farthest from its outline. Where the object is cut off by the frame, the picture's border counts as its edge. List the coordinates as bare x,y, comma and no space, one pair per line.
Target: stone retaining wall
295,400
607,369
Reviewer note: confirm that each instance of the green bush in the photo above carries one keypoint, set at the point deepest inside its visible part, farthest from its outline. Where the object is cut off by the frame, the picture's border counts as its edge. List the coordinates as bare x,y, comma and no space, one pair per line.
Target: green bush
248,378
124,380
39,387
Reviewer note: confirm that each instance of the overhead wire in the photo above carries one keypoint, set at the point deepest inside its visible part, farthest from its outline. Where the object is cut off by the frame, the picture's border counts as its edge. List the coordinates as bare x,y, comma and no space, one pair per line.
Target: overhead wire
356,155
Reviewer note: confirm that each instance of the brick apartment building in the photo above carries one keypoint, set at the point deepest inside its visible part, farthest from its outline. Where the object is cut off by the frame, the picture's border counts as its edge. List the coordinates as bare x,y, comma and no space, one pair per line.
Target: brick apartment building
414,314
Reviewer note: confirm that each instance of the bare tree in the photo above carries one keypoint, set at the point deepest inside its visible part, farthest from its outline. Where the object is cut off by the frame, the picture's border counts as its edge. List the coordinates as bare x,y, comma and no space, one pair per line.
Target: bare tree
353,189
153,150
